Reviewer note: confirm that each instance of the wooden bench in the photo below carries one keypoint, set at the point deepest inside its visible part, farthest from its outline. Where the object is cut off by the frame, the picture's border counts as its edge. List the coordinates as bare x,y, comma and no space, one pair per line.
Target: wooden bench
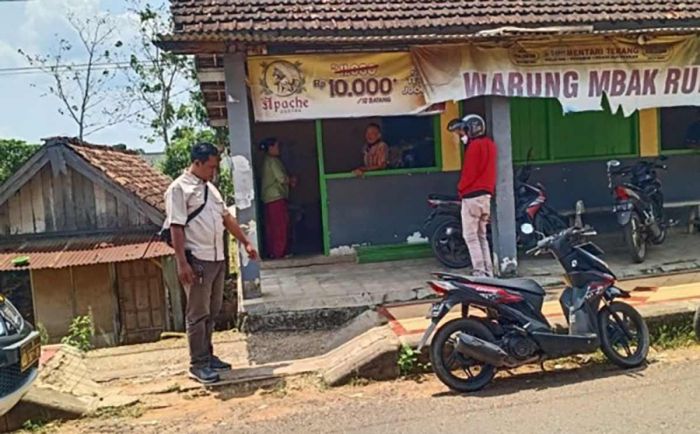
693,218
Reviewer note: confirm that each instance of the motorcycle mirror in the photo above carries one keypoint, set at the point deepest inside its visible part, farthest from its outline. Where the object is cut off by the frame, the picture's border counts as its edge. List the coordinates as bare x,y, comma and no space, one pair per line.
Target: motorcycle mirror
527,228
613,163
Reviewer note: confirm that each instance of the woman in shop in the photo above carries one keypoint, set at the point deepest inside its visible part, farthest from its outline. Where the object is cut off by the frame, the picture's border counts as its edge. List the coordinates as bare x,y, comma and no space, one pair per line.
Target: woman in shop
376,151
275,194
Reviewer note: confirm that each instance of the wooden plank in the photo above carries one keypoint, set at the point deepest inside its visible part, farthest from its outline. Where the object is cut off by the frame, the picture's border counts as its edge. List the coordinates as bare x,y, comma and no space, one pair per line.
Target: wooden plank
122,214
81,220
23,175
90,207
58,194
38,204
5,219
25,199
649,132
112,205
47,198
100,206
124,196
15,214
69,202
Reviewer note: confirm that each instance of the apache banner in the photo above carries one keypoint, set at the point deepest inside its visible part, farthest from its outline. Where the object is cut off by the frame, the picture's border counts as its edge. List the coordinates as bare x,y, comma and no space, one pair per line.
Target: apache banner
335,85
633,74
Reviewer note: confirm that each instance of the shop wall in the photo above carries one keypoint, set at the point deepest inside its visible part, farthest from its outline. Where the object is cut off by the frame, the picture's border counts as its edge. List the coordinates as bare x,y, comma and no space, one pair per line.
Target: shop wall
382,210
388,209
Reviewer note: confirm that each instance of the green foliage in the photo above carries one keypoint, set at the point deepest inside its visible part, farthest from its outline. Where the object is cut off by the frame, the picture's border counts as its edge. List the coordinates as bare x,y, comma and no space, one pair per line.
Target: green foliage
80,333
158,78
674,335
409,362
177,155
13,153
43,333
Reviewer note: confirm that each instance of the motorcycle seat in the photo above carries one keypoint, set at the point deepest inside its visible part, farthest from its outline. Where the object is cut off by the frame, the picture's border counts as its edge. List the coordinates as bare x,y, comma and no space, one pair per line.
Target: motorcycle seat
519,285
444,197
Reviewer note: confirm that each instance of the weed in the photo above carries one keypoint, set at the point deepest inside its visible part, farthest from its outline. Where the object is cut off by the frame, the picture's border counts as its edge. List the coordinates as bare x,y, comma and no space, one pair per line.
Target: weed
278,390
33,425
668,336
409,362
43,333
133,411
359,382
80,333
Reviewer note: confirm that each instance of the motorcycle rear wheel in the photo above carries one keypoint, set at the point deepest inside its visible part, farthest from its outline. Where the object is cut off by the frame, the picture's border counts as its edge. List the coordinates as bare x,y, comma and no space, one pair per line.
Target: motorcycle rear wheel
446,360
634,239
448,244
615,325
696,323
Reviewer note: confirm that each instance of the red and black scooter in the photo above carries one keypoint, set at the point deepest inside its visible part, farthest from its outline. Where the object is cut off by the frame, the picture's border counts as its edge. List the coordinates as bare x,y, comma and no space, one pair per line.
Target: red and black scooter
512,331
444,224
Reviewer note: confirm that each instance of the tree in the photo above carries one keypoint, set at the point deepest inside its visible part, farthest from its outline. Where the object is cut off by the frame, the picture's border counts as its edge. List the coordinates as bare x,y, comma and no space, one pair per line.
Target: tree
157,77
85,87
13,154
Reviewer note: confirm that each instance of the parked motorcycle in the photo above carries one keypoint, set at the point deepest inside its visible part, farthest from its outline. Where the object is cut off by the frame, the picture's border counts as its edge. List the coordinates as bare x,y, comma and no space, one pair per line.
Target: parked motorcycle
696,323
466,352
639,205
444,224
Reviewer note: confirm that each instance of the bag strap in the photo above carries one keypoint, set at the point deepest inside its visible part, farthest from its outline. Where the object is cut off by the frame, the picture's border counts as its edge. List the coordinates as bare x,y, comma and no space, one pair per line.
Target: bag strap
196,212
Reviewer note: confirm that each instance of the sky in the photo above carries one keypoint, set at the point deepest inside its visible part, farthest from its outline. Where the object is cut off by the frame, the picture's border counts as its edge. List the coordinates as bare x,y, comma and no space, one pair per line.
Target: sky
32,25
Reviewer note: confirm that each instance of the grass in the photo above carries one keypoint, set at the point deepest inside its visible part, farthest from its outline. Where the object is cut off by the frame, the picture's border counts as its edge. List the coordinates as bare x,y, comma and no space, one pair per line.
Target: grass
674,335
129,411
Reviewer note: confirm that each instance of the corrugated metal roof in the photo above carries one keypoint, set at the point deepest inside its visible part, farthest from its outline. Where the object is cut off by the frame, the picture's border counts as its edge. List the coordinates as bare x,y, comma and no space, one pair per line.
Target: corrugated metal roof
75,251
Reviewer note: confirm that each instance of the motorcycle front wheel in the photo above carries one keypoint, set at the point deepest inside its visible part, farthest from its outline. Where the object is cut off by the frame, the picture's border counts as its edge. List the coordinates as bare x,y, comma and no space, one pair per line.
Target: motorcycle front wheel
696,323
624,336
634,239
456,371
448,244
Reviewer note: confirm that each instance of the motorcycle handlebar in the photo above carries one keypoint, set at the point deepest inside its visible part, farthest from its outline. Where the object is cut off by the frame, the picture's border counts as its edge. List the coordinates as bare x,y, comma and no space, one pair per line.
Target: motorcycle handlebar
546,242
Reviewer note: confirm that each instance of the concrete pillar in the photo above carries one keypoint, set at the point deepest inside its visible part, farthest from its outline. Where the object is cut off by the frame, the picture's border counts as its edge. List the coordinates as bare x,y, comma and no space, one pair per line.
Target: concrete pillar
242,161
505,252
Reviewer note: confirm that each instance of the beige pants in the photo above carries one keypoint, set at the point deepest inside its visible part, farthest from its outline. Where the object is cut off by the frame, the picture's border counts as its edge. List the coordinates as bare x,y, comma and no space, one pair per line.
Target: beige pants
476,213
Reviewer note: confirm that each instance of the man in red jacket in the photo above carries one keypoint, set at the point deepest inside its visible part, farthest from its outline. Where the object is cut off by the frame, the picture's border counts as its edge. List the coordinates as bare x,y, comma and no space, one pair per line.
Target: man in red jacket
476,187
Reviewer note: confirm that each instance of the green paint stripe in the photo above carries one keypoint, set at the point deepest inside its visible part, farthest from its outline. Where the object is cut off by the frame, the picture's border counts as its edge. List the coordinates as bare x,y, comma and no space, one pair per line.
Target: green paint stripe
384,173
395,252
323,186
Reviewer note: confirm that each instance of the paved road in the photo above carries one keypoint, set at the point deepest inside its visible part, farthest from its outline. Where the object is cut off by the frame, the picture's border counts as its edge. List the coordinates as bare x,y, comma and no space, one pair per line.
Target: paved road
662,398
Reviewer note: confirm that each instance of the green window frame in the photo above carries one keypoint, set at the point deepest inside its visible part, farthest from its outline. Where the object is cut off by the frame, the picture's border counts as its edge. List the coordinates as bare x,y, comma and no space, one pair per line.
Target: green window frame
540,125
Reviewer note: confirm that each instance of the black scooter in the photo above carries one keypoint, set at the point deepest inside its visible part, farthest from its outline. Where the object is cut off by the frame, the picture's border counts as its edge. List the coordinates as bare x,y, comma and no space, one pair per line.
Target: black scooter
639,205
512,331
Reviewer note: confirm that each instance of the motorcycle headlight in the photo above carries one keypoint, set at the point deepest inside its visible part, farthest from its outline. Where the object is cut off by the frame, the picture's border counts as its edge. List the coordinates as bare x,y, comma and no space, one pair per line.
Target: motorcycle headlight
10,318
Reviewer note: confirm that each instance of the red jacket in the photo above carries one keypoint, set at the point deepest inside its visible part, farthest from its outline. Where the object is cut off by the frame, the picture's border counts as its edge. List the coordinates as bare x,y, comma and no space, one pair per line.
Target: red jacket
479,169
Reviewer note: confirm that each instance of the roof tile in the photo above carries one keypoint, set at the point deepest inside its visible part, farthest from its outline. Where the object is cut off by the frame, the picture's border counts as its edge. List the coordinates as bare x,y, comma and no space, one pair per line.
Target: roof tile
321,17
127,169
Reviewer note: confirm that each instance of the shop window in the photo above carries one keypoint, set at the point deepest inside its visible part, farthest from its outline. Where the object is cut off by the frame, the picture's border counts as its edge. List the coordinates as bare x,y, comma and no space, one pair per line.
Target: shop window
412,142
539,127
680,128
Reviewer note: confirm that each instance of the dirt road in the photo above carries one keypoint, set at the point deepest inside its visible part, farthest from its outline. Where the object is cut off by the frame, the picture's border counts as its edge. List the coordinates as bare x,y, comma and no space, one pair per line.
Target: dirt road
663,397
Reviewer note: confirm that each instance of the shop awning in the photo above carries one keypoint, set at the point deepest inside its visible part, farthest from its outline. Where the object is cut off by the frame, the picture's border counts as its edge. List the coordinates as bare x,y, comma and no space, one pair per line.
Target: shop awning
80,250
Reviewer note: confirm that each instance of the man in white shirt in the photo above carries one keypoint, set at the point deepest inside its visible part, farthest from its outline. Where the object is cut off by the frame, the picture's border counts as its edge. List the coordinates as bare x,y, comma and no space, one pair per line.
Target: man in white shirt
197,217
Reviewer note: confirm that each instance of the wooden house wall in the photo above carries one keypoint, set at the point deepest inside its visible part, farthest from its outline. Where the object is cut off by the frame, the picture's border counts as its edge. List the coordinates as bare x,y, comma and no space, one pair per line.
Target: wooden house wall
64,203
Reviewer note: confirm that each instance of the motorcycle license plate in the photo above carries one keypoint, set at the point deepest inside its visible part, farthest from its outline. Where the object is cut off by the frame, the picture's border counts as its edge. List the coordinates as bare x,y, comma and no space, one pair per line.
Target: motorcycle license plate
29,353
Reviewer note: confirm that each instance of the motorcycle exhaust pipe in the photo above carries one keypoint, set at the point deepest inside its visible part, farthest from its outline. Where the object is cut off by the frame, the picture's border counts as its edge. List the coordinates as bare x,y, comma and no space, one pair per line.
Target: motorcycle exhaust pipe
479,349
